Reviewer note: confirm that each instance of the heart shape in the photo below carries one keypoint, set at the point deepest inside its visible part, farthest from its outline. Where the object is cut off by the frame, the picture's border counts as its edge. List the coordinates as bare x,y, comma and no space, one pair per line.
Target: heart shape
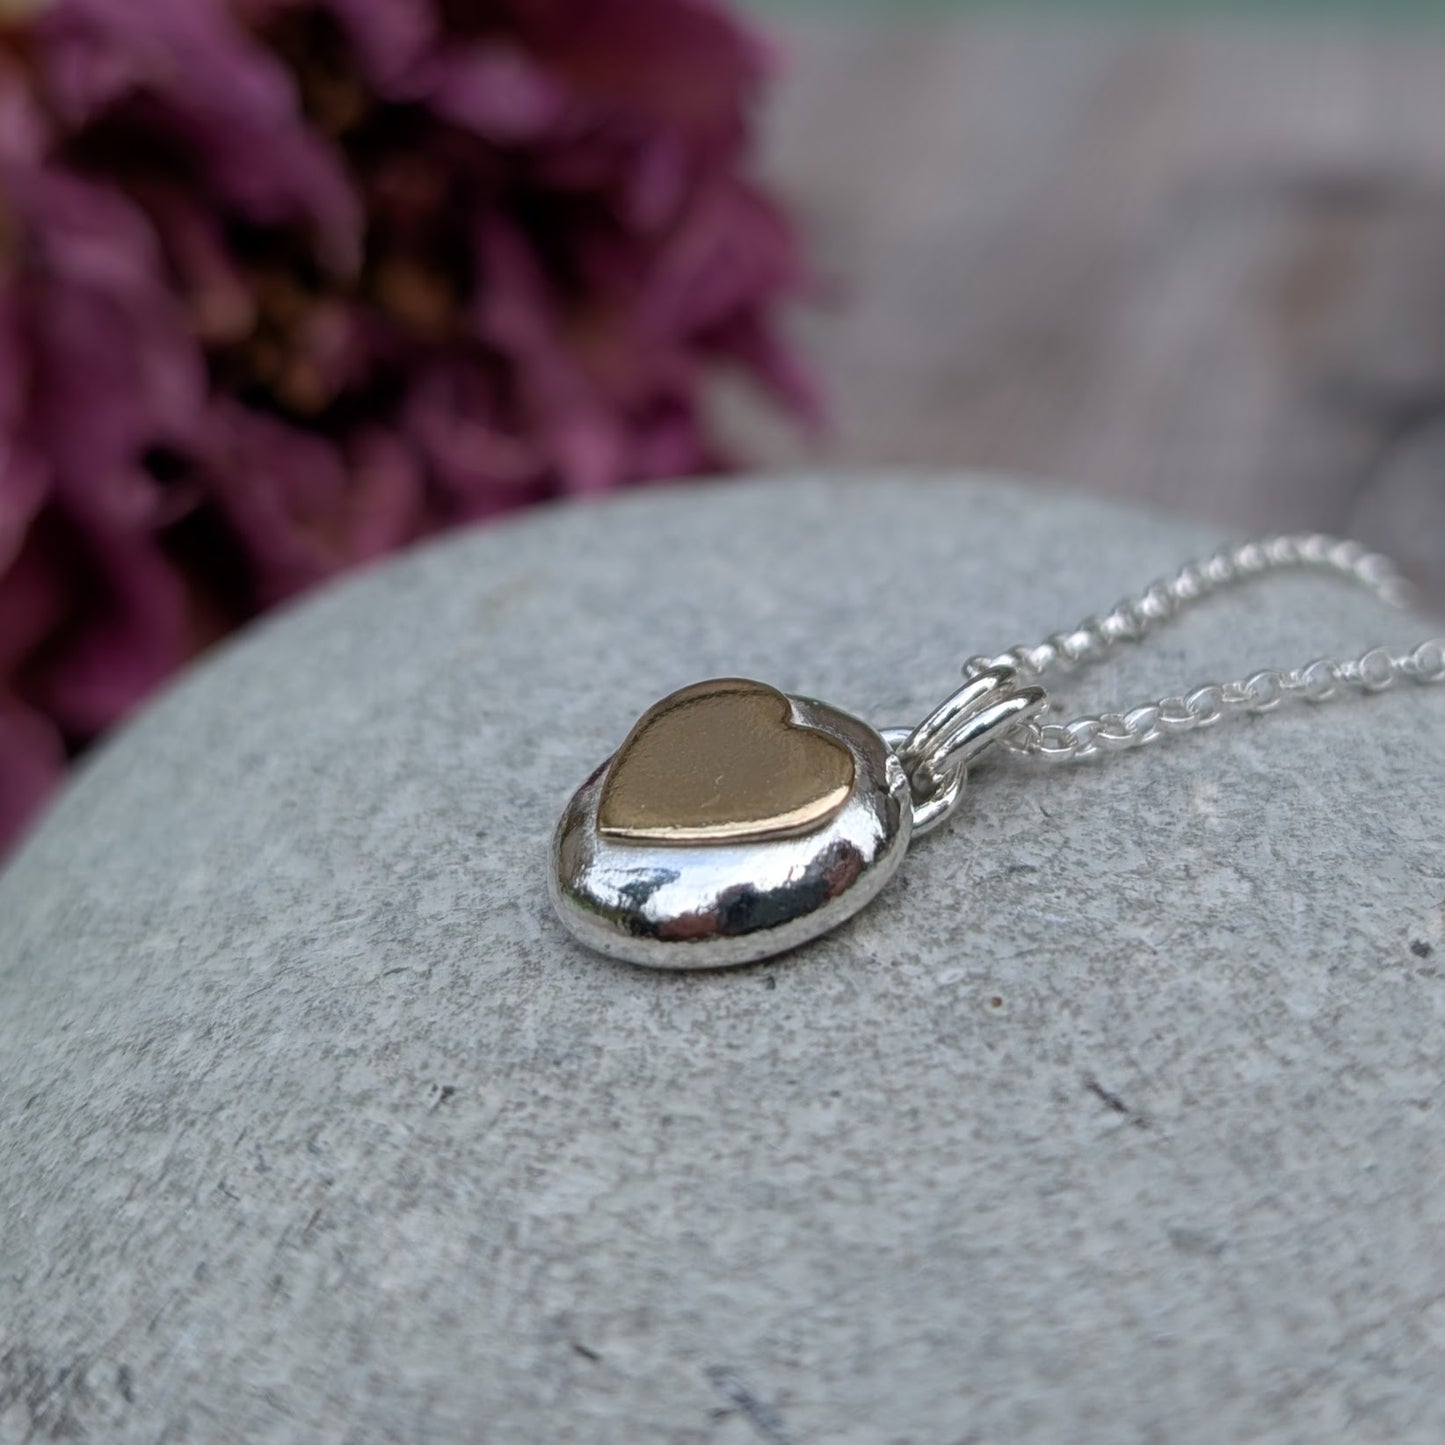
723,762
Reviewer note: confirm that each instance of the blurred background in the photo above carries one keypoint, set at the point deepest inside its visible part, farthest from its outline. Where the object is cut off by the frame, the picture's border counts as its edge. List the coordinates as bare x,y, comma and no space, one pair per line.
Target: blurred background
288,284
1189,255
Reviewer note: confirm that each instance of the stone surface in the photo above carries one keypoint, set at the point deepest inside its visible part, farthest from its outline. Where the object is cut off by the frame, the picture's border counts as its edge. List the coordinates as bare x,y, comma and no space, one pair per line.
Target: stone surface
1117,1118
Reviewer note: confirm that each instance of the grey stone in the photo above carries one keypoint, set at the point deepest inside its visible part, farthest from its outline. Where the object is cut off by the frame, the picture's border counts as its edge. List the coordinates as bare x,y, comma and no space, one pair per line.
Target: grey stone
1118,1117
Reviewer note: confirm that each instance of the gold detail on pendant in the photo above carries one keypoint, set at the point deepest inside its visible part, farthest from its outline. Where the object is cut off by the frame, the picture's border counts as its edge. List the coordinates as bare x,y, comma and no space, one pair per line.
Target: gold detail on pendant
723,762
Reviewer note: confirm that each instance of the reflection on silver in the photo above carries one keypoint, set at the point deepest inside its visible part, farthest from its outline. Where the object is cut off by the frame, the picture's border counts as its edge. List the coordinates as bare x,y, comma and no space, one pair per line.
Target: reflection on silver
710,905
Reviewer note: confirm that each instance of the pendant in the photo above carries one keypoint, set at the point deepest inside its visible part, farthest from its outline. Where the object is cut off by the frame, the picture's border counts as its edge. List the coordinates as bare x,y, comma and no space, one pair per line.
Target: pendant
736,821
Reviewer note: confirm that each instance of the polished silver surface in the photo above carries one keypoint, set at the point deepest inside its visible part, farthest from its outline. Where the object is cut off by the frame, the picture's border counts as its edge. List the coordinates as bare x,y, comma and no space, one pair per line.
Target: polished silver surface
689,905
989,708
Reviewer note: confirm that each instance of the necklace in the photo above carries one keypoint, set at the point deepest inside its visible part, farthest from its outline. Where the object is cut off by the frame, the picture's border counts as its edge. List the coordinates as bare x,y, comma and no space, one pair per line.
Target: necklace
737,821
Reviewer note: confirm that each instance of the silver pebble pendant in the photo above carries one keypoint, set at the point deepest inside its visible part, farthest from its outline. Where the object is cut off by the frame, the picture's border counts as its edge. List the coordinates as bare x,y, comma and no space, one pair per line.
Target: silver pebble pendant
736,822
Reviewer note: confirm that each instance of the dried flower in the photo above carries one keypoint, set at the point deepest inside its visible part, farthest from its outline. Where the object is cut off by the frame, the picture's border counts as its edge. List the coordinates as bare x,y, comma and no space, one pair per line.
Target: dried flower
287,283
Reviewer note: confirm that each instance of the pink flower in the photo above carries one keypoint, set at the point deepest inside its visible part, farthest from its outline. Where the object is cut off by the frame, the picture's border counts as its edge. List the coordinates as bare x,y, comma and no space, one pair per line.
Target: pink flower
285,284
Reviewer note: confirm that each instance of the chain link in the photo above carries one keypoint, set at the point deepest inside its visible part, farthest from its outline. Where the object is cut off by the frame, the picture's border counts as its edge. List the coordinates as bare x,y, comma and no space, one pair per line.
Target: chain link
1210,703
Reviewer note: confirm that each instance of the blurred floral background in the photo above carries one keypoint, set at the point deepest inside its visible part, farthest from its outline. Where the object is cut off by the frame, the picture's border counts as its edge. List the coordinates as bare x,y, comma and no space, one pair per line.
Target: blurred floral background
286,284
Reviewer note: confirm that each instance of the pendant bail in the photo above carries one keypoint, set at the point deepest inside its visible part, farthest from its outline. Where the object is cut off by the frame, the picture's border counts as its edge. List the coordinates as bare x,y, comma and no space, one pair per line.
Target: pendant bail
936,754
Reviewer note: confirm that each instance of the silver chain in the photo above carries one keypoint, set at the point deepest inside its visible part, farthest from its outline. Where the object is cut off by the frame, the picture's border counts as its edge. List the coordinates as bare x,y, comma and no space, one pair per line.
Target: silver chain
1000,702
1211,702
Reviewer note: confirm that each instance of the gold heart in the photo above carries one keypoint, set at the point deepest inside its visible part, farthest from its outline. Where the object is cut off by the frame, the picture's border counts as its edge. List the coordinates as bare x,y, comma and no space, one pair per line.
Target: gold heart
723,762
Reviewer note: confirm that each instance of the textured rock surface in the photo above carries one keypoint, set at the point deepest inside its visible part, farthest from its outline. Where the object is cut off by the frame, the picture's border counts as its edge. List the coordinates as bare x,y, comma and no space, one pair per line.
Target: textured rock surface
1118,1117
